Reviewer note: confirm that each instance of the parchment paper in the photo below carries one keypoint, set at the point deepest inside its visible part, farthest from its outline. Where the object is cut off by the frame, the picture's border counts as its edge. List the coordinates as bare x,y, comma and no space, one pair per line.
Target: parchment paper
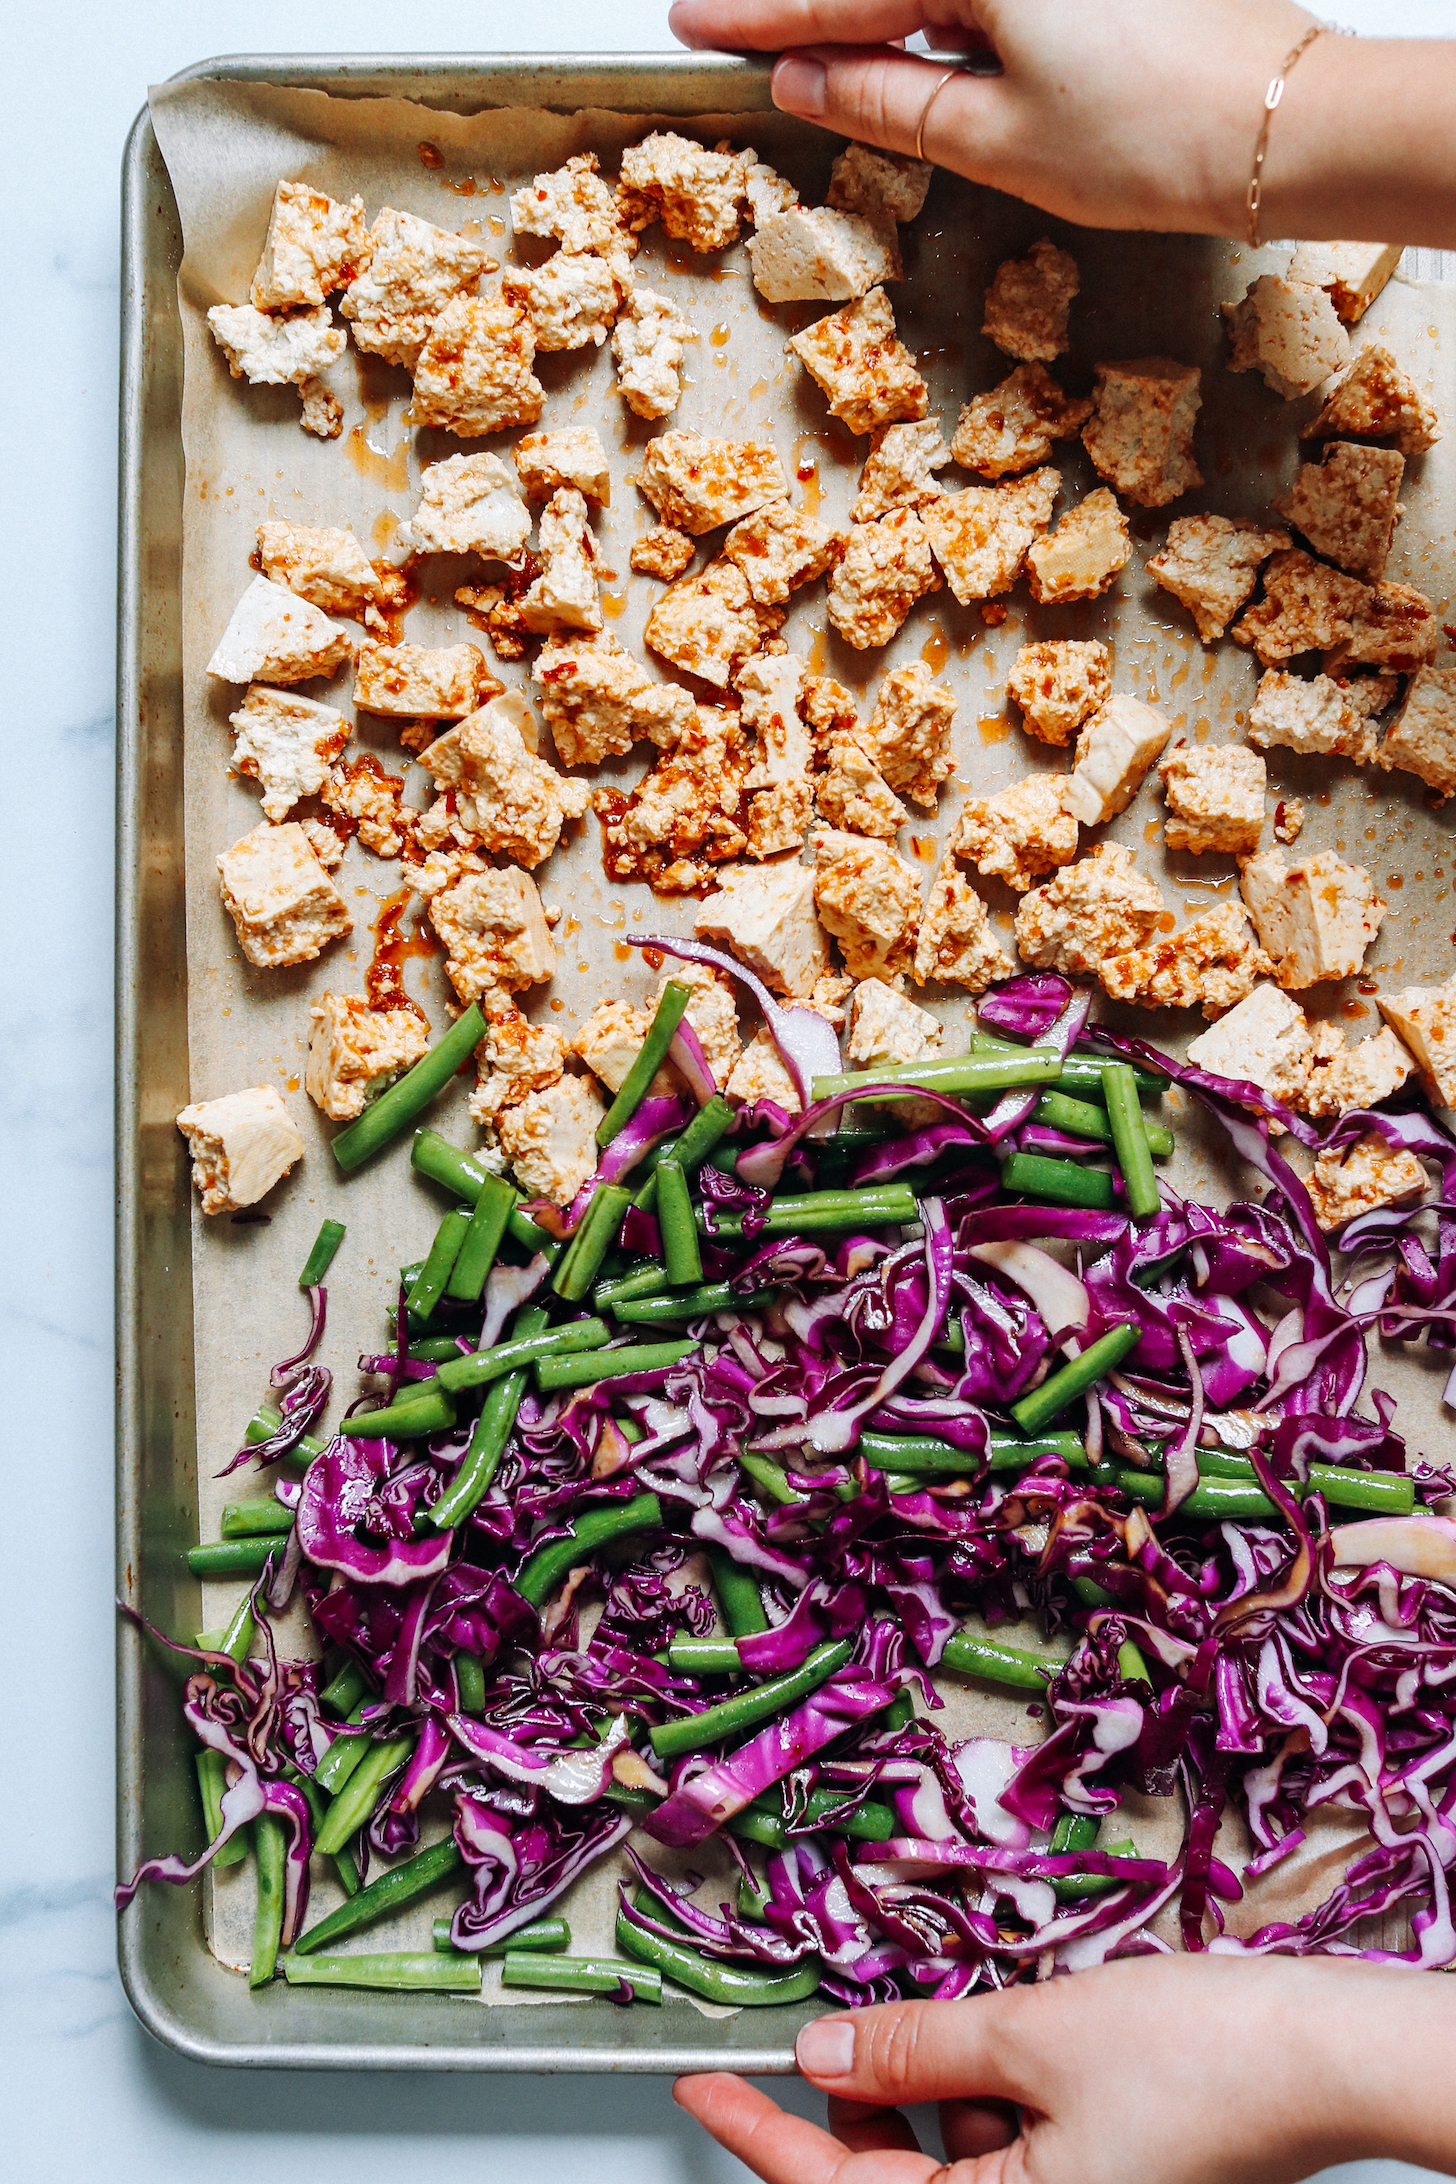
226,146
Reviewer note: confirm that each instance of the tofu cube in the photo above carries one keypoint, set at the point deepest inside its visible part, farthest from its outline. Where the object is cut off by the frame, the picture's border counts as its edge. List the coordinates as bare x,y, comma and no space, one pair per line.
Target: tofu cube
495,933
1422,737
869,900
761,1074
599,701
550,1139
515,1057
661,551
881,185
1341,1078
328,568
570,301
884,568
1355,1181
900,469
697,194
1264,1040
240,1145
573,455
474,372
1028,301
885,1027
276,352
769,192
1348,505
1425,1018
564,595
1376,400
287,744
1100,906
274,636
1288,331
1080,559
505,797
1215,798
414,271
314,245
1210,964
1305,608
1316,917
697,484
284,905
1315,718
1114,751
573,206
778,548
1012,427
1211,564
868,375
853,794
609,1042
469,505
780,811
909,732
980,536
351,1044
1059,684
1140,433
765,914
1351,274
955,945
647,348
708,624
1390,626
1020,834
820,255
416,682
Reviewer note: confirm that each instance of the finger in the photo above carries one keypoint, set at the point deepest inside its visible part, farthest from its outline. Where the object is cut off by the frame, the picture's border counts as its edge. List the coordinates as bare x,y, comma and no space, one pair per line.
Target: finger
785,2149
901,2052
971,2128
868,2130
881,97
767,26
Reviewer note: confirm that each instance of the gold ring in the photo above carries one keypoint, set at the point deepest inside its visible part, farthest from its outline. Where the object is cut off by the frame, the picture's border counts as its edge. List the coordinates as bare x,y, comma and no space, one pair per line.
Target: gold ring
936,88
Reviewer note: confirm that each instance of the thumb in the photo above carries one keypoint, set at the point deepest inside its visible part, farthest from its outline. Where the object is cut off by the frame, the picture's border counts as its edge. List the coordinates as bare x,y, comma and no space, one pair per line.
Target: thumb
880,96
918,2051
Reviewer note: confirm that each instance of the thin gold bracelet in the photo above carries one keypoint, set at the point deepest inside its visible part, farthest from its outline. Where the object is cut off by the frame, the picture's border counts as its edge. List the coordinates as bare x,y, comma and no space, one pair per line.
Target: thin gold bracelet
1272,97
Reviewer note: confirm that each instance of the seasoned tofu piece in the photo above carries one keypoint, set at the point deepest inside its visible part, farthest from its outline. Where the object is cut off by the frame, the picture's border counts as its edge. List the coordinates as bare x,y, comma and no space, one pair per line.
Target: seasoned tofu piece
1365,1175
900,469
1305,608
886,1028
1422,737
782,795
1140,434
881,185
980,535
712,1012
421,683
708,624
240,1145
572,206
1101,906
1059,684
765,914
869,900
866,372
1210,964
1215,798
1263,1040
564,595
572,455
955,945
767,191
662,551
474,372
853,793
909,732
1012,427
696,484
1289,332
283,903
277,352
1211,564
828,709
1316,917
696,194
550,1139
1351,274
274,636
351,1044
687,816
469,505
1425,1018
1348,505
511,802
1314,717
413,272
1028,301
1081,558
1020,834
495,933
1390,626
1114,751
760,1073
286,744
371,803
322,413
816,255
778,548
599,701
609,1042
884,569
647,348
1288,821
515,1057
315,244
1343,1077
572,302
1376,400
328,568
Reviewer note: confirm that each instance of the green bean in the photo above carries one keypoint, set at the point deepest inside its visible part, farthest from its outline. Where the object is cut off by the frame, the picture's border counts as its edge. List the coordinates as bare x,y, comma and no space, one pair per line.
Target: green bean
407,1418
320,1259
434,1350
584,1372
489,1435
1081,1118
688,1304
971,1655
342,1757
1078,1887
1008,1452
390,1893
428,1286
649,1059
1081,1073
681,1256
396,1109
345,1864
950,1074
469,1683
715,1982
264,1518
817,1212
900,1712
539,1242
630,1431
1058,1182
581,1975
867,1823
414,1971
1071,1380
771,1477
544,1934
1220,1496
483,1239
643,1281
435,1157
753,1901
1129,1141
268,1852
600,1227
266,1420
480,1366
356,1801
544,1571
747,1708
700,1138
739,1601
212,1781
232,1557
344,1691
1389,1493
1131,1665
1074,1832
705,1656
237,1639
1091,1594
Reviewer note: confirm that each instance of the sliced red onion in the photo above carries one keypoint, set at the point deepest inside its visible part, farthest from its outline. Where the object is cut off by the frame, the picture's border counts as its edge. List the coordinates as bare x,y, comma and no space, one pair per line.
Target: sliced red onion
806,1040
687,1057
1058,1295
506,1289
654,1120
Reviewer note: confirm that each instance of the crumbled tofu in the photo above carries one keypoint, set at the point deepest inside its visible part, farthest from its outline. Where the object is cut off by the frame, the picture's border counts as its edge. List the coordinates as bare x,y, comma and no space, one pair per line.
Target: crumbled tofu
1309,717
1210,964
881,185
417,682
1425,1018
315,244
1422,737
1080,559
980,535
712,1012
1028,301
351,1044
328,568
371,802
1264,1040
854,795
709,623
599,701
512,802
322,413
1020,834
474,372
1059,684
900,468
1289,332
696,484
571,205
1211,564
469,505
1341,1077
275,636
867,373
287,744
1369,1174
515,1057
662,551
276,352
1114,751
1376,400
686,816
768,191
283,903
885,1027
572,455
868,898
695,193
827,708
760,1073
570,301
1288,822
494,933
1100,906
782,799
885,567
1316,917
817,255
1140,434
647,347
955,945
1348,505
1305,608
909,732
1390,626
324,842
765,914
550,1138
564,595
1372,694
240,1145
414,271
778,548
1351,274
1215,798
1012,427
609,1042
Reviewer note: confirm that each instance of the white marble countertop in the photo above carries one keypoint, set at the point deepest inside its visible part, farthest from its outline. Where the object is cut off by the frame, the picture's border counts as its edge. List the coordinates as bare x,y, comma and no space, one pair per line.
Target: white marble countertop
90,2092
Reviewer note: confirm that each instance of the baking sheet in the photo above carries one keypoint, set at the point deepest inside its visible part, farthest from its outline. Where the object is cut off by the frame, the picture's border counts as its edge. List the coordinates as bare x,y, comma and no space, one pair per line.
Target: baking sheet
226,145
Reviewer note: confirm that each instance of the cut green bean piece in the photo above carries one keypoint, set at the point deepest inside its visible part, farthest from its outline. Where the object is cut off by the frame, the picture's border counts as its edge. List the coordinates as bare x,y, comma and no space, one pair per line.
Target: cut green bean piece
650,1057
237,1639
1079,1887
864,1823
268,1851
584,1372
356,1801
345,1864
434,1350
423,1971
321,1258
1058,1182
771,1477
1074,1831
435,1157
264,1518
971,1655
1131,1665
545,1570
428,1286
1091,1594
344,1691
686,1304
950,1074
232,1557
1071,1380
212,1781
396,1109
703,1134
521,1351
483,1239
469,1683
600,1226
529,1234
819,1212
391,1892
489,1435
643,1281
1081,1072
406,1418
1130,1143
739,1600
266,1420
747,1708
715,1982
541,1934
582,1975
705,1656
1008,1452
342,1757
681,1256
1058,1110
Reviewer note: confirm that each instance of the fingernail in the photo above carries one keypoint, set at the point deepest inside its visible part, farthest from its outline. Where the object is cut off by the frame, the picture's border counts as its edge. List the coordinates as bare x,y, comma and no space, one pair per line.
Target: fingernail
798,87
826,2048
